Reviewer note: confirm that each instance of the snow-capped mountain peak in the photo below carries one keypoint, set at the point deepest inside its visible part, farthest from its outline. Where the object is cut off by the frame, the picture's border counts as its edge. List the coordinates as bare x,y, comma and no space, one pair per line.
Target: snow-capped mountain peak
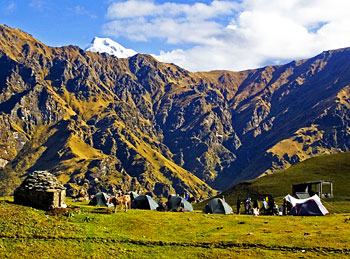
106,45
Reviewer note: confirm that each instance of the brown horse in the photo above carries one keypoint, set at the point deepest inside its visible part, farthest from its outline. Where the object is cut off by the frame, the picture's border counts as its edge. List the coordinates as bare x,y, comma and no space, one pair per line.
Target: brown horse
122,200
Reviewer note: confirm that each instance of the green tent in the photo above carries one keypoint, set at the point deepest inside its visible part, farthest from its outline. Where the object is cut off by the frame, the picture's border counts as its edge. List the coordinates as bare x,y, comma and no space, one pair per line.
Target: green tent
144,202
175,202
100,199
217,206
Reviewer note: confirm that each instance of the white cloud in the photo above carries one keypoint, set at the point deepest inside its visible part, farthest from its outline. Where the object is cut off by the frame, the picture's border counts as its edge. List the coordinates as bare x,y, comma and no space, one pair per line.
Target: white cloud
228,35
10,7
37,4
176,23
137,8
141,29
130,9
80,10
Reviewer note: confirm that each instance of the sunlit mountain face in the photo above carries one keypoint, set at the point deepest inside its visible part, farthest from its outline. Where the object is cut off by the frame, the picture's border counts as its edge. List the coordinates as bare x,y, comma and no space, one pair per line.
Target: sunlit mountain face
100,122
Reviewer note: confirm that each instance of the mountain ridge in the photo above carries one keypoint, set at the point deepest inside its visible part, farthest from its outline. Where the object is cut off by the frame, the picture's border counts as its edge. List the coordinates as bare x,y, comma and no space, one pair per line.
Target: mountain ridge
161,128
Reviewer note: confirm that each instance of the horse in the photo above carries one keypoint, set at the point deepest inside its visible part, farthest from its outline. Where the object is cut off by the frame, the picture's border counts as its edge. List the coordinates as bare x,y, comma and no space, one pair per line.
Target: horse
120,199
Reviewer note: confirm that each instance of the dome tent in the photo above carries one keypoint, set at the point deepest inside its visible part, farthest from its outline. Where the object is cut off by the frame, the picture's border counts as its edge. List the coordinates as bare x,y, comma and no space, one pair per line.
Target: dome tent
217,206
175,202
144,202
100,199
306,207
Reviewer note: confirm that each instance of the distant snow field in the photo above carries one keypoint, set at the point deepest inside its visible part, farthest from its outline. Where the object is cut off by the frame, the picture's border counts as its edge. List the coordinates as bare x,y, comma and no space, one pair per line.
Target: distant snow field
106,45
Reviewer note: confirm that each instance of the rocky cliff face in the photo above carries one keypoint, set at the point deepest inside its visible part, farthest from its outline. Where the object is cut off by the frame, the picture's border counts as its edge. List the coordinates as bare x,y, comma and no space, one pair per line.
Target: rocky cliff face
100,122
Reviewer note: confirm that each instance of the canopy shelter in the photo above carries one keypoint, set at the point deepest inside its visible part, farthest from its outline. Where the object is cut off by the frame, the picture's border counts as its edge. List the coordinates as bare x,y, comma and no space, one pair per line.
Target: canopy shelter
144,202
100,199
306,207
323,189
217,206
176,202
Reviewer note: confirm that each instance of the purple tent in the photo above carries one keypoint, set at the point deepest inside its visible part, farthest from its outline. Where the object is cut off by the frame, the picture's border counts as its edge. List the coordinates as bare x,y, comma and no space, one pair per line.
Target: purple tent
306,207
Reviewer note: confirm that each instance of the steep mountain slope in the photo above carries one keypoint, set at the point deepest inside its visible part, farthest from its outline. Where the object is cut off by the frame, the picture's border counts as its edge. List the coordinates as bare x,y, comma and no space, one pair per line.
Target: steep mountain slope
98,121
74,113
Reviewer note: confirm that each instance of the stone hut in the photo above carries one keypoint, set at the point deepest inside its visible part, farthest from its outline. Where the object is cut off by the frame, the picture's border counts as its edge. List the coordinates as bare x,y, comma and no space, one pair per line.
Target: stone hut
41,190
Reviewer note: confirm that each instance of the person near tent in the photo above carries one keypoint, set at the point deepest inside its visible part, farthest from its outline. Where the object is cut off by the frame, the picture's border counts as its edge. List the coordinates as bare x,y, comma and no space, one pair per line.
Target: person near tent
255,204
247,206
181,208
275,209
289,207
264,206
238,205
284,206
162,206
271,206
280,210
187,196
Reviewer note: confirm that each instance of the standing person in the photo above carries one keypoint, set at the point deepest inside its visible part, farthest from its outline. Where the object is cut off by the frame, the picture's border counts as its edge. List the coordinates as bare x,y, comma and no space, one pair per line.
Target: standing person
238,205
250,211
255,204
264,207
271,206
247,205
186,196
284,213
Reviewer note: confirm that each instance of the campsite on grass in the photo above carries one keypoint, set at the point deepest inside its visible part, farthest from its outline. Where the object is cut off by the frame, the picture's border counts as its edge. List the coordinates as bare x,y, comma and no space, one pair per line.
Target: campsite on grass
316,222
96,232
176,228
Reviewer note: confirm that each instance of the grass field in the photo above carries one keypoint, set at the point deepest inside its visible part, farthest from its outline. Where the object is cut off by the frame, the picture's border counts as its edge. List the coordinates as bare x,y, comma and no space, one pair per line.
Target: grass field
335,168
93,232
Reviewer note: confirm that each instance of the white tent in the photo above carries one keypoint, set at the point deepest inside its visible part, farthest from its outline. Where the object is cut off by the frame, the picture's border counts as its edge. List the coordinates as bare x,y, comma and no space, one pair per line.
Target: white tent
304,207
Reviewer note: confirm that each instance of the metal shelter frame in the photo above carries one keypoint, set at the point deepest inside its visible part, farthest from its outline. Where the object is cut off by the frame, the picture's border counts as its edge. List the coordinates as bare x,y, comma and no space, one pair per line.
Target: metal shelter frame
302,190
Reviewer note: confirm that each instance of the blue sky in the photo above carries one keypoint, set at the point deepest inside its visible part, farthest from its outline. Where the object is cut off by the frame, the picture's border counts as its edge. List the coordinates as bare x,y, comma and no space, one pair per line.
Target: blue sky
56,22
197,35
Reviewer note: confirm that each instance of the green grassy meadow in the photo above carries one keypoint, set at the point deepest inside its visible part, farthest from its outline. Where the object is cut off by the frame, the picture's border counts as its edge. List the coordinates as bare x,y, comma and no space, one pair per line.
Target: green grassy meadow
335,168
95,232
